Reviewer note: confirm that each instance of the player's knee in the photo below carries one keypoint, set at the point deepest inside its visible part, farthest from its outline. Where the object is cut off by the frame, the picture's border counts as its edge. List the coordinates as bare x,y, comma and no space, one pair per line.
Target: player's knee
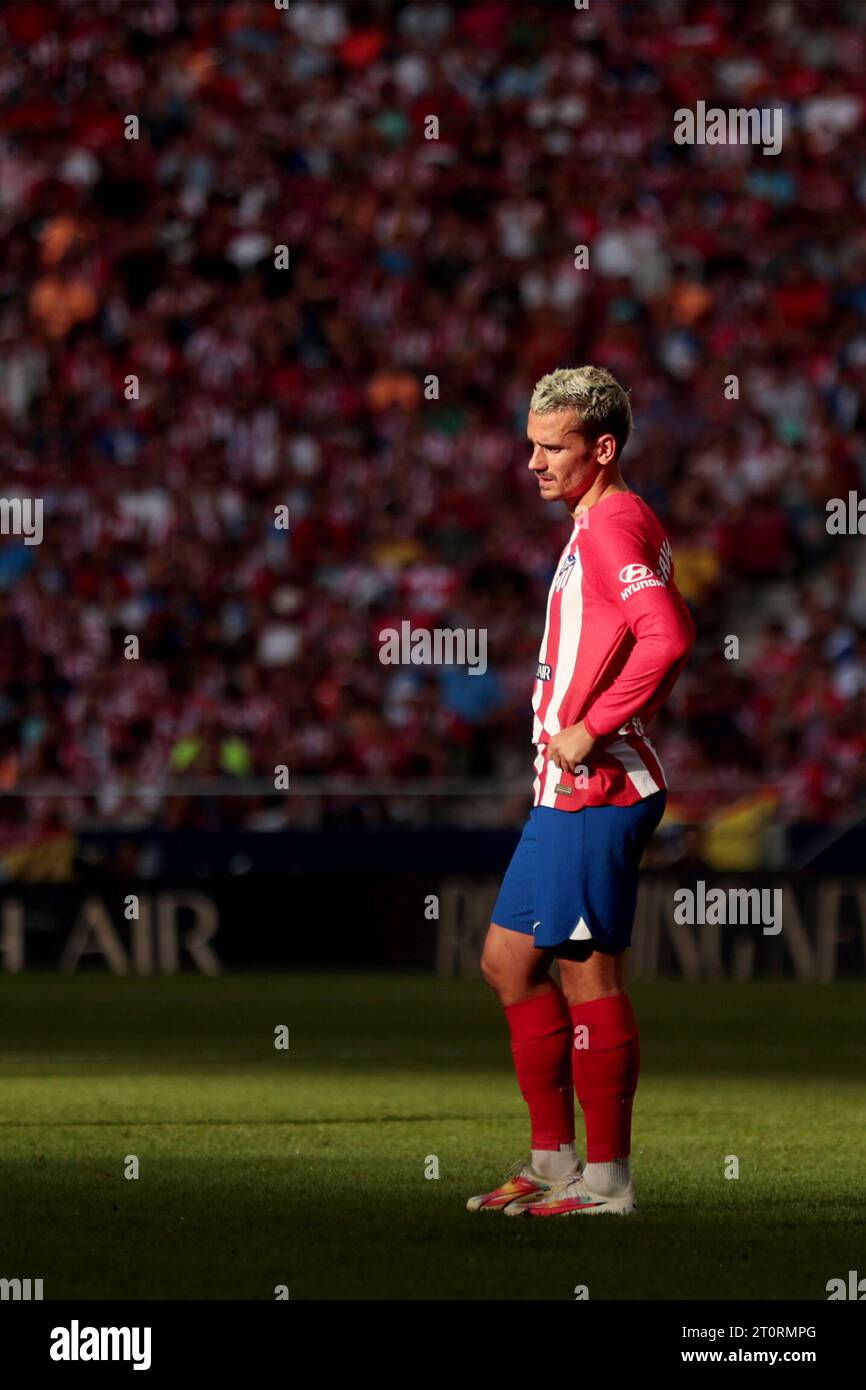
511,977
595,976
492,971
498,970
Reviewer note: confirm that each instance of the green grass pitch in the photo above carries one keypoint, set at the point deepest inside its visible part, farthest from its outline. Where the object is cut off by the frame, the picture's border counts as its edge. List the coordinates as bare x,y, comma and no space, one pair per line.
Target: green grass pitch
306,1167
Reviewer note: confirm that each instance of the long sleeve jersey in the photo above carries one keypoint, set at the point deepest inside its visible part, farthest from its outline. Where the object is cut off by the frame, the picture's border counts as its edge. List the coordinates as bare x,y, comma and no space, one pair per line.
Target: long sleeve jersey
616,636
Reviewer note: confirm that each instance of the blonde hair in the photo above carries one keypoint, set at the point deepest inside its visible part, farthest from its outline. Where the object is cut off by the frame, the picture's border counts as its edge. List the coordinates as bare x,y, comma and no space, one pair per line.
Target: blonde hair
602,404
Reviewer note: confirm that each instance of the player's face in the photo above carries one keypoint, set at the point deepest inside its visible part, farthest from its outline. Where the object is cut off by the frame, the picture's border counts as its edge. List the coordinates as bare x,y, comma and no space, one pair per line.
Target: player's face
564,462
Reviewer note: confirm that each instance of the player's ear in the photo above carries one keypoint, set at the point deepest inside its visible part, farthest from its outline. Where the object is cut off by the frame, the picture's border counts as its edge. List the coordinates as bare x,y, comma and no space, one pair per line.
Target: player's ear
605,449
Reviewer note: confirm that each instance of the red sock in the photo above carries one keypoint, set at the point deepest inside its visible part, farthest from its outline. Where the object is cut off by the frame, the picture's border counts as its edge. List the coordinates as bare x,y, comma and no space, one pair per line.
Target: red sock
606,1070
541,1047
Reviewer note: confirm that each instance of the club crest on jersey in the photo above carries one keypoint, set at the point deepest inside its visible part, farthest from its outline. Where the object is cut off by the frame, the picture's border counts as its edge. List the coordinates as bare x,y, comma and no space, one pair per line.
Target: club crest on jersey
563,574
542,671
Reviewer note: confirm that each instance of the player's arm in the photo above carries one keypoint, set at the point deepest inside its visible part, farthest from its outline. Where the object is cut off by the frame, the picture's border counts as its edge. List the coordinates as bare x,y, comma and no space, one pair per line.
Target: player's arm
656,615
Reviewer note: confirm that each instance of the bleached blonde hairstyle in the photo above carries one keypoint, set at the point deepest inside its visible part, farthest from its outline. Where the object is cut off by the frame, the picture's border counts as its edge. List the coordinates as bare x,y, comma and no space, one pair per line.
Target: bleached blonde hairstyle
602,404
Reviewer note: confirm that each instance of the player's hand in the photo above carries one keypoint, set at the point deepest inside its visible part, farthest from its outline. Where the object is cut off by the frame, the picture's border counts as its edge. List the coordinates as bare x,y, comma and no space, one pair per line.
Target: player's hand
569,749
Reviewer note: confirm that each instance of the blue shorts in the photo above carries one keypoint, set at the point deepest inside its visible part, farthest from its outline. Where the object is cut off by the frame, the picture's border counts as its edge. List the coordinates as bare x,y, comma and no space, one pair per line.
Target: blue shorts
574,874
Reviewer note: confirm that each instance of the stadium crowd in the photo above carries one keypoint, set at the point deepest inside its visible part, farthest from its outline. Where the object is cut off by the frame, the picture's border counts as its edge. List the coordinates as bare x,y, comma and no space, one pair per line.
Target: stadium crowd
430,168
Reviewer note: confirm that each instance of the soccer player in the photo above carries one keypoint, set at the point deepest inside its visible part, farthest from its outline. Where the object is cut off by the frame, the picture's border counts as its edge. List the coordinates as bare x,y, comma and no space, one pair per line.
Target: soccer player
616,636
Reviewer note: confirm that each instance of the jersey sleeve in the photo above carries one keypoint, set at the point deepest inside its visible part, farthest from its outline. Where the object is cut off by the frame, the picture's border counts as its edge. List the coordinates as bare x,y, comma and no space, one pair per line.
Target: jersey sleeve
632,570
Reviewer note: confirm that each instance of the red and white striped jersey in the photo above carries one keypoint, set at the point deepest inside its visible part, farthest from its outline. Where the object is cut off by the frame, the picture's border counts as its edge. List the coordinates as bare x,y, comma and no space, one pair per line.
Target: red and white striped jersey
616,637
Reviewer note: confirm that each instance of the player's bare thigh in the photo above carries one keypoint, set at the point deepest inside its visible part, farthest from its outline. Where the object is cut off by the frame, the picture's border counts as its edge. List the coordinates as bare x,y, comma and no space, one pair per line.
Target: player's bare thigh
513,967
587,973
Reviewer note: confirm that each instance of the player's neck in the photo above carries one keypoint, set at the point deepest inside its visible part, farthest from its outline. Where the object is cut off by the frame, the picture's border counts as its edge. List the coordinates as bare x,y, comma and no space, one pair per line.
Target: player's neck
604,486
